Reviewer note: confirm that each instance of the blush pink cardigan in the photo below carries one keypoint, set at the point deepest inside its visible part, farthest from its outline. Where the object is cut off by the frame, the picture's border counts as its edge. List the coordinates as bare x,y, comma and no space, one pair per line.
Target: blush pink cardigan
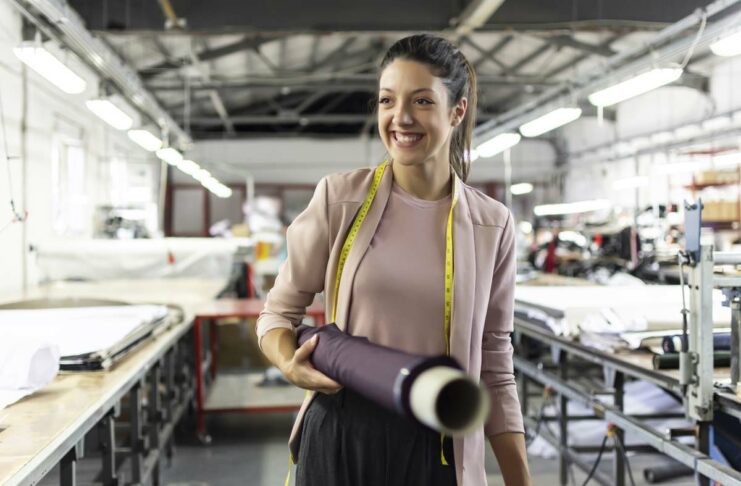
483,292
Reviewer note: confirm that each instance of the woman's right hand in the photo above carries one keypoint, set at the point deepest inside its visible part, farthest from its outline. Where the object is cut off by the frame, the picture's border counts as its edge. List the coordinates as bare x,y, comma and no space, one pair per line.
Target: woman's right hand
299,371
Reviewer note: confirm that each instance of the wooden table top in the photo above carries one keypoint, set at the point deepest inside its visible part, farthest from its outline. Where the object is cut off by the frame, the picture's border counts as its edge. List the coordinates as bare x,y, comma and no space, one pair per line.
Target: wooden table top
37,430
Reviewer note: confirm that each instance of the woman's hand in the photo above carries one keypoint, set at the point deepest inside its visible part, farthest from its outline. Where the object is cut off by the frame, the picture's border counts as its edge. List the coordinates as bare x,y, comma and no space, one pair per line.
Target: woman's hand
299,371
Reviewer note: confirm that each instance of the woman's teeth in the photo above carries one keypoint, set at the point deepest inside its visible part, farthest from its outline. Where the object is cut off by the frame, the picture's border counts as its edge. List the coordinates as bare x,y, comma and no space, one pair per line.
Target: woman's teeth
407,138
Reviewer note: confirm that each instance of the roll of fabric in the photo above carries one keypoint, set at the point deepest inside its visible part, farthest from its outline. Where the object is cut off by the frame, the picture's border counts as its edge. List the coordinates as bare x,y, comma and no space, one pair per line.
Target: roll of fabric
26,365
673,344
434,391
670,361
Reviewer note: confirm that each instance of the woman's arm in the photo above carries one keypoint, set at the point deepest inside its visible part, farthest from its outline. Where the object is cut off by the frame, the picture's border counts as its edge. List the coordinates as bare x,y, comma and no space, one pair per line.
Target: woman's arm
511,453
279,345
505,427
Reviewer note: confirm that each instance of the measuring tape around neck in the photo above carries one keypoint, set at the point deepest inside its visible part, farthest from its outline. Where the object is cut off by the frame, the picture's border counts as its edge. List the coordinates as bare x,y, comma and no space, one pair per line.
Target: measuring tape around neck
350,240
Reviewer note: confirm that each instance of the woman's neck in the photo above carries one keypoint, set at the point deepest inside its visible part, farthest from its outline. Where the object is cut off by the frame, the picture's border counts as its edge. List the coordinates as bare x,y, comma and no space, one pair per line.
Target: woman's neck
429,181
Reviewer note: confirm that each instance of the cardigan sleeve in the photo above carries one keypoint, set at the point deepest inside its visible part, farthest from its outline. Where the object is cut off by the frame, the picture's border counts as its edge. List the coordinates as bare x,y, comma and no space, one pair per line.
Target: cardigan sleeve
497,369
302,275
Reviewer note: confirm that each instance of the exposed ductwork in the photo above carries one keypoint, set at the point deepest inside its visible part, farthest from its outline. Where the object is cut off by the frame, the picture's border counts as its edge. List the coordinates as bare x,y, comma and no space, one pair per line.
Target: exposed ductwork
62,22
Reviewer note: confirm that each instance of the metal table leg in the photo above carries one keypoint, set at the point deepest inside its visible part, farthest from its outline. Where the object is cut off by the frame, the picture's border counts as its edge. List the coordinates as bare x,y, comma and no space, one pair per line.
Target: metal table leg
619,464
563,422
107,427
200,385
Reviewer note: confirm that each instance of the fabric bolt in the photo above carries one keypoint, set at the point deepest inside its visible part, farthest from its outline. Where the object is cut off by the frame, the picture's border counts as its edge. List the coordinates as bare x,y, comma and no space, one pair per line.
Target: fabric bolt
379,373
402,277
349,439
483,293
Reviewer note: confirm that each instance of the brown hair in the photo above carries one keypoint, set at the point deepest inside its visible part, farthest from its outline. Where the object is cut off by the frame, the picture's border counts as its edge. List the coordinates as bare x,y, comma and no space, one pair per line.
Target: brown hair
449,63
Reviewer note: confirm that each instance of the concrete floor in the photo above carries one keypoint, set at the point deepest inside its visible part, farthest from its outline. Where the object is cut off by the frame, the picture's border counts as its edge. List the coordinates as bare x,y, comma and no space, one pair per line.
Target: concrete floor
251,450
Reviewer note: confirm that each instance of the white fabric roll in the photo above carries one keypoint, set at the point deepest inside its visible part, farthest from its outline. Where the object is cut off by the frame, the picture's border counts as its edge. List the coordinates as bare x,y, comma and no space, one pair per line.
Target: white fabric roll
26,365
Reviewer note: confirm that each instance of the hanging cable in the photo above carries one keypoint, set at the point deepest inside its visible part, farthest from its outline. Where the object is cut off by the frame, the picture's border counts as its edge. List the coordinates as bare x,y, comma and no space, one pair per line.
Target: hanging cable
599,457
16,216
621,448
691,50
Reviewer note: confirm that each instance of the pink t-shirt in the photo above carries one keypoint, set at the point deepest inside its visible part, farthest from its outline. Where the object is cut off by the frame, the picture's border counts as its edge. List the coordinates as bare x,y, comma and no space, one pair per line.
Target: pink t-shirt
398,294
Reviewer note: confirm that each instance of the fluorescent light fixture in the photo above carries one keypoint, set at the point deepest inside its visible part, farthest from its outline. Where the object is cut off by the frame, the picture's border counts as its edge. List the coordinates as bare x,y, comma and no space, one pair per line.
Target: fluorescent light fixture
188,166
526,227
729,45
571,208
550,121
498,144
630,182
110,113
202,176
216,187
521,188
170,155
643,83
717,123
145,139
49,67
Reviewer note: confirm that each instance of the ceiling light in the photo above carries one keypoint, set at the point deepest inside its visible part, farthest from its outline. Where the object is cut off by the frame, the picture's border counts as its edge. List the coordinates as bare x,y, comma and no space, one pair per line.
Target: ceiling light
170,155
145,139
188,166
550,121
729,45
498,144
521,188
202,176
635,86
571,208
110,113
52,69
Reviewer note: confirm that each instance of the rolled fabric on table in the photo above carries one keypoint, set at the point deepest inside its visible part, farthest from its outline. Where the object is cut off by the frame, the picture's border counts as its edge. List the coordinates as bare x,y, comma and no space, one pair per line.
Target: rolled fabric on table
434,391
673,344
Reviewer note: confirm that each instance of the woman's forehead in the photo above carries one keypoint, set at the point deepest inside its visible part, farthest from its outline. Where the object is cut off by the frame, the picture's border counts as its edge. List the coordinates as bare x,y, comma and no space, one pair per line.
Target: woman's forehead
408,75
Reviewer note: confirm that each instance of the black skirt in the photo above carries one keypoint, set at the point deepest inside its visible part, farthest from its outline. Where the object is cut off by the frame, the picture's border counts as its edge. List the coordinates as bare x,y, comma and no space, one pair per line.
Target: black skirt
349,440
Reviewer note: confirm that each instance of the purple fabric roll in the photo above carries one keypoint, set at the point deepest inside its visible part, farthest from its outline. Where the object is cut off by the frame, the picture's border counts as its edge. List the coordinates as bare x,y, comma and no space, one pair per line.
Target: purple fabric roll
381,374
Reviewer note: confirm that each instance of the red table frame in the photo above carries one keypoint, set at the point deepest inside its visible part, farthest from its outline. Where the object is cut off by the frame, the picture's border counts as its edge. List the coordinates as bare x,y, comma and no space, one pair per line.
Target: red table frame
209,313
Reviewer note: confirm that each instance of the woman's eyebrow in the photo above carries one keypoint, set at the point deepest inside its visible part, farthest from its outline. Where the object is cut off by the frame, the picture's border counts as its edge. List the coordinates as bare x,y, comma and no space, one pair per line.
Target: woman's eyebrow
413,92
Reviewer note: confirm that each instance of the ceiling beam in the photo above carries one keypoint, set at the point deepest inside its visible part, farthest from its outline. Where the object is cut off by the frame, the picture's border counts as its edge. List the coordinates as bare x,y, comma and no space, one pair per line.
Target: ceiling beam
475,15
250,42
352,82
289,118
570,41
489,54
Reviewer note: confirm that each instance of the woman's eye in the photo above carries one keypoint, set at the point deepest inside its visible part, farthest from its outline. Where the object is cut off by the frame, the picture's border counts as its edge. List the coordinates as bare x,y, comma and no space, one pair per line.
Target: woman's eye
423,101
383,101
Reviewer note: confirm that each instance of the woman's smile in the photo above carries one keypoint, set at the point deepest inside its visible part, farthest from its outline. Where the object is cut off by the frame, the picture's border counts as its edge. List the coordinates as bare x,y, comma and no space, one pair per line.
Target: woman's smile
406,140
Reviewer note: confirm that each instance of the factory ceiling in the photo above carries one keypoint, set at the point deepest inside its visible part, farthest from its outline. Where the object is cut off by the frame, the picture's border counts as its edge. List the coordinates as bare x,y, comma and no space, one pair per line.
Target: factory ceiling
228,69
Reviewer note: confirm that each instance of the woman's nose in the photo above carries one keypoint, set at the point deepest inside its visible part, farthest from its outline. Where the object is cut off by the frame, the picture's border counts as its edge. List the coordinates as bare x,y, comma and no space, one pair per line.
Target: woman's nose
402,115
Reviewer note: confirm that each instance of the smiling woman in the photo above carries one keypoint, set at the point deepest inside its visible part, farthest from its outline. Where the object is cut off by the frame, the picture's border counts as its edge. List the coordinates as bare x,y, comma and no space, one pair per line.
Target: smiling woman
417,261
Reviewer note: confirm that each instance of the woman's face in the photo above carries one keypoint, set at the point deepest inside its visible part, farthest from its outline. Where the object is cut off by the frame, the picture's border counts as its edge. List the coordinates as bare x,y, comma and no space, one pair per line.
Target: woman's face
415,119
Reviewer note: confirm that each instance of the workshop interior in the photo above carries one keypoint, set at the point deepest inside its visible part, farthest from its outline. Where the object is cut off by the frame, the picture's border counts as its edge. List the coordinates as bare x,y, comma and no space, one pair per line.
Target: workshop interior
155,153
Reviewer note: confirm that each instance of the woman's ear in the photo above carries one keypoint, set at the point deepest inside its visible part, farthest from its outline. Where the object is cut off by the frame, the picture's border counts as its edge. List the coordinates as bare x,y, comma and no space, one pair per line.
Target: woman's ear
459,111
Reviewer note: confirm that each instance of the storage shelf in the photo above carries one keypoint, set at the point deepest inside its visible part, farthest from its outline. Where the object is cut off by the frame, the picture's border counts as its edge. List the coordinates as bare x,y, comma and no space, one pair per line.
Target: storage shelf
240,392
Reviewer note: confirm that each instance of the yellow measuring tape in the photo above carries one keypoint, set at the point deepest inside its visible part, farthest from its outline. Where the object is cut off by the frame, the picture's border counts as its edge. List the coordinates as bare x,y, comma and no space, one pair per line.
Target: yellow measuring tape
350,240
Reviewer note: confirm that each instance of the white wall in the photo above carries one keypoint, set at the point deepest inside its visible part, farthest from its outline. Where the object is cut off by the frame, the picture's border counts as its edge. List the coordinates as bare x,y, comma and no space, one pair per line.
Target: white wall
50,113
306,160
661,109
